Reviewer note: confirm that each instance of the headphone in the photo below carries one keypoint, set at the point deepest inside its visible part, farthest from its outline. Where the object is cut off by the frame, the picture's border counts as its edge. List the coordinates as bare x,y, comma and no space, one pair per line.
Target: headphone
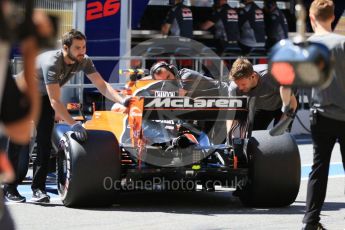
165,65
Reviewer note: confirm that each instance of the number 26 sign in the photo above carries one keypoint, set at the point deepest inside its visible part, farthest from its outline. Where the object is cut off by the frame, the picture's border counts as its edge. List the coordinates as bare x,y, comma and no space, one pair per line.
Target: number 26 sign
96,9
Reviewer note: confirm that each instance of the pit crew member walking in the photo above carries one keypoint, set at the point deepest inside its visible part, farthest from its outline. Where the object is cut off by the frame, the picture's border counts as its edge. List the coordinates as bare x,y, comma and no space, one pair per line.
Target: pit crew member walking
328,112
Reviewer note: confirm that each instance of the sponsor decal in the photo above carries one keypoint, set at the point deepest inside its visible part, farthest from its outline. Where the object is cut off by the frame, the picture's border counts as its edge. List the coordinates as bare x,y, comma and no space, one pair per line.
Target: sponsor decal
170,122
196,103
186,13
135,112
232,15
165,94
259,15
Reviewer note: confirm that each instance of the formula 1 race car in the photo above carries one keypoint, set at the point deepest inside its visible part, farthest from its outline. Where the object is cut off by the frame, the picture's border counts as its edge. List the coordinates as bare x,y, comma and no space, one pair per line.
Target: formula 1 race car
169,142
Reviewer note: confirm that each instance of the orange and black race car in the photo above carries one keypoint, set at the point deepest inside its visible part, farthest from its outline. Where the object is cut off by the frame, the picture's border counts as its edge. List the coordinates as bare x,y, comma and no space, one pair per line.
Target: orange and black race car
170,142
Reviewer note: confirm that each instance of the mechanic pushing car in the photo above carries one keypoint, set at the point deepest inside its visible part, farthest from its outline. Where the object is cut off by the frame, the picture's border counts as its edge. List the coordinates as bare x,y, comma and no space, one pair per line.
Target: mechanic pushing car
271,100
55,68
327,112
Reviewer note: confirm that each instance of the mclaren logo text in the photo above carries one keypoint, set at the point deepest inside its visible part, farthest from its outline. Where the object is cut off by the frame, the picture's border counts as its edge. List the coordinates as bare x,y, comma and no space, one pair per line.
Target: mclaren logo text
196,103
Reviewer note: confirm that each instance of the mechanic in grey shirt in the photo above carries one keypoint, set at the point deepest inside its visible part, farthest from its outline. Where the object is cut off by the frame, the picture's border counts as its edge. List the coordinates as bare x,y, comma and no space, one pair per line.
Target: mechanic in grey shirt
254,81
190,82
54,69
328,112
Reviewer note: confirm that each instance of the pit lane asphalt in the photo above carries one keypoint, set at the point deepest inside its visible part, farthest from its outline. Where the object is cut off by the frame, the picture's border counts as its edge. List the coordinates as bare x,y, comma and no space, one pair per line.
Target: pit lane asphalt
187,210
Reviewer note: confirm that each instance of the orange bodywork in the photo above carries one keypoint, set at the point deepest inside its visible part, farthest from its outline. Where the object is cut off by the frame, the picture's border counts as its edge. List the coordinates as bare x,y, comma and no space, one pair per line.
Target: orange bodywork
115,122
134,86
108,121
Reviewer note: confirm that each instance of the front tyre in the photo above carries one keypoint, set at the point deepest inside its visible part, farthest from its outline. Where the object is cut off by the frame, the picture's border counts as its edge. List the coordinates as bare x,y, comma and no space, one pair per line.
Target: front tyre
87,172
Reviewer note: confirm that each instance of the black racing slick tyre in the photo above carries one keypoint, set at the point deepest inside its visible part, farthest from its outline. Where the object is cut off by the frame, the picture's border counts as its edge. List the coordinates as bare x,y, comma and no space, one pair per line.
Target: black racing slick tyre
88,171
274,171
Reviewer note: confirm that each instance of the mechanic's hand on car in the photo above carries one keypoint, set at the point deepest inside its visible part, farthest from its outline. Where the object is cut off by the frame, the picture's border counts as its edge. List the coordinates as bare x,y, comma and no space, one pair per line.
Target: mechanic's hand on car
284,125
288,111
79,131
117,107
127,100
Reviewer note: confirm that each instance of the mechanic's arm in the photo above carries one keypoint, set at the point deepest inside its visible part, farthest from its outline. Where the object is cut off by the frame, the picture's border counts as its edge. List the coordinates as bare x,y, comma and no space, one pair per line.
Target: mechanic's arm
232,92
165,28
206,25
104,87
54,93
288,98
229,124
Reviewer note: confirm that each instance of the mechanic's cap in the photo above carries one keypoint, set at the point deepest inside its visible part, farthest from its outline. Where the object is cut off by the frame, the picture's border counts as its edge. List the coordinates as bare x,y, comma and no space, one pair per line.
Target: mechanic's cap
303,65
165,65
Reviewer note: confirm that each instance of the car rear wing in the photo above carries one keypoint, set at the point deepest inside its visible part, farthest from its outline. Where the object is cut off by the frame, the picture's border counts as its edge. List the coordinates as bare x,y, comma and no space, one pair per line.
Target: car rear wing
200,108
186,108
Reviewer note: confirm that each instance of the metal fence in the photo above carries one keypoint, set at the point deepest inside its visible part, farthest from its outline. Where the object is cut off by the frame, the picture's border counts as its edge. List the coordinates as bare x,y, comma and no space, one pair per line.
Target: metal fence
224,65
219,65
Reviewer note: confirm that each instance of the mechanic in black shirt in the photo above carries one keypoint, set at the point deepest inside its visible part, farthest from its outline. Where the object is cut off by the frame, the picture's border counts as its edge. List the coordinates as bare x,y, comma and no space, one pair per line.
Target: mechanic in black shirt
15,108
18,107
275,23
225,20
179,21
252,26
20,100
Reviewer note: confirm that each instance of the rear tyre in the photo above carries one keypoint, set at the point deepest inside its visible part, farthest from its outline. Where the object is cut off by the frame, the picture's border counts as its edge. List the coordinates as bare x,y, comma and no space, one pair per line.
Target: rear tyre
87,172
274,171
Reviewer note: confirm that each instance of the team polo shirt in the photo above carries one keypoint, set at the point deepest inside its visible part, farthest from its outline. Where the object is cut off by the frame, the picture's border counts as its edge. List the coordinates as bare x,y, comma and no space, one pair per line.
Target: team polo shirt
266,92
181,19
276,26
252,26
226,24
330,102
51,69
